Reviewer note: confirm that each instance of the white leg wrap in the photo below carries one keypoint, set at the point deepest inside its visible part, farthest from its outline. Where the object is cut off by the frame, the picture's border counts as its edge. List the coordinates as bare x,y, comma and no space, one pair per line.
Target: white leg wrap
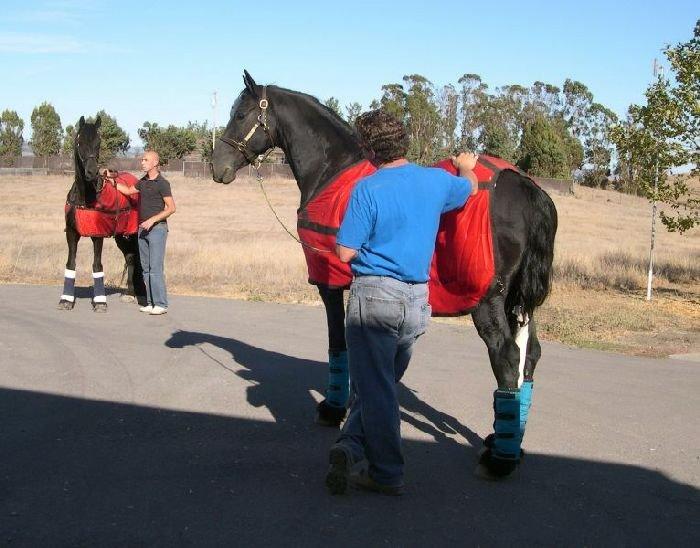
69,298
521,338
99,299
98,274
69,274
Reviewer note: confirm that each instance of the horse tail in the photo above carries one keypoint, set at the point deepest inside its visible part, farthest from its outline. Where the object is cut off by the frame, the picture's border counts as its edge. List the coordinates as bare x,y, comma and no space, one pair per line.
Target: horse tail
533,280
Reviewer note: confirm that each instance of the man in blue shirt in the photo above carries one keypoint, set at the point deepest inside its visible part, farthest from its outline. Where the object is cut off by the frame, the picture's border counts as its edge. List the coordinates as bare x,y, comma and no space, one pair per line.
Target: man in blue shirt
388,236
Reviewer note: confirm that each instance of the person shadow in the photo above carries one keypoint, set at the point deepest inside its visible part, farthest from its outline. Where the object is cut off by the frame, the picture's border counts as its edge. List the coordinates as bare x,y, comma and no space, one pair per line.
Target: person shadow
283,384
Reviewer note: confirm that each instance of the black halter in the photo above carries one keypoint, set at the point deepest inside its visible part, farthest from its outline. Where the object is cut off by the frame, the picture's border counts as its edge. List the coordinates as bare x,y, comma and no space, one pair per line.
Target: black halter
242,146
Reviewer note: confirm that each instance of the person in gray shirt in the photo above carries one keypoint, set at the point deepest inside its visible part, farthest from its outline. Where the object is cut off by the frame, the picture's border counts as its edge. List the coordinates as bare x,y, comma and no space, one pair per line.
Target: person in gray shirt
156,204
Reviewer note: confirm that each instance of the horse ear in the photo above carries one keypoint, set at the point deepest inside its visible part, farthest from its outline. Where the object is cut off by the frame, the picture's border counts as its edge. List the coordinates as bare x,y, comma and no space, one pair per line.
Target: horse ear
98,121
250,84
81,122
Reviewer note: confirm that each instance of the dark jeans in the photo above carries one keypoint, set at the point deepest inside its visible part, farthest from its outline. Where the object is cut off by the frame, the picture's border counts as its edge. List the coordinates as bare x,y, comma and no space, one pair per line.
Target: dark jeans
384,318
152,255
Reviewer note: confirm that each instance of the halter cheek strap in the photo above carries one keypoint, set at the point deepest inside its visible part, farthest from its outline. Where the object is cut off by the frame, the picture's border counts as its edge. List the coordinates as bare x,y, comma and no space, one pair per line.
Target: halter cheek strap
257,160
242,145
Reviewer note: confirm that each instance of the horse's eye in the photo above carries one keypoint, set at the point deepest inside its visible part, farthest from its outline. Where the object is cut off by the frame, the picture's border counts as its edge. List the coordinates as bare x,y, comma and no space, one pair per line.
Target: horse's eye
240,116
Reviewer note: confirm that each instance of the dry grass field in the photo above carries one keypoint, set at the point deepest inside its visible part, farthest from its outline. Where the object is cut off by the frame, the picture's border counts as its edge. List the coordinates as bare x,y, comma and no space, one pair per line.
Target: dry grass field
224,241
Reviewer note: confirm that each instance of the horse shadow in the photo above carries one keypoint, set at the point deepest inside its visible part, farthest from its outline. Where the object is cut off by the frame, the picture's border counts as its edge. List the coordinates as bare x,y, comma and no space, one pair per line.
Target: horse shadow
283,384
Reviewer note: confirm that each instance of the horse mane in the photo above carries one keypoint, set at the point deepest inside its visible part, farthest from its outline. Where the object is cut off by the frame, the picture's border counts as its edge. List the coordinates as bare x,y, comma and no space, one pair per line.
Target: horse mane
318,143
334,120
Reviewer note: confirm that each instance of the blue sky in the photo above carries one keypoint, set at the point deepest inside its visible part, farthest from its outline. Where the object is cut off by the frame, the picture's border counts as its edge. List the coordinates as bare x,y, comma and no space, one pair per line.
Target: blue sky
155,61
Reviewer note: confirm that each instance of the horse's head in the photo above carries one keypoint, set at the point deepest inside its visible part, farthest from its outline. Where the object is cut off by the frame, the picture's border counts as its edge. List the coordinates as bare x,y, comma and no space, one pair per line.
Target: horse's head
247,135
87,149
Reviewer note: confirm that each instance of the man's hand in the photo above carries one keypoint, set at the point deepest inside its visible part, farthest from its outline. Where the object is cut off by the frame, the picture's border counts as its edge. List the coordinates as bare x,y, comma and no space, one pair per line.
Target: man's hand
345,254
465,161
147,224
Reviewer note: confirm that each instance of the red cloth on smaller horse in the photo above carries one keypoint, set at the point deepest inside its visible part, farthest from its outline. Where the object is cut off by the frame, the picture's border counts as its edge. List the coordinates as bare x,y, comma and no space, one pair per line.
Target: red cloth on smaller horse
112,213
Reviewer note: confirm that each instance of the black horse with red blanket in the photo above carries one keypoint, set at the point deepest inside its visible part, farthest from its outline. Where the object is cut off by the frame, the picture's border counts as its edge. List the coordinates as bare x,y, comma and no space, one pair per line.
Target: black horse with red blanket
493,257
95,208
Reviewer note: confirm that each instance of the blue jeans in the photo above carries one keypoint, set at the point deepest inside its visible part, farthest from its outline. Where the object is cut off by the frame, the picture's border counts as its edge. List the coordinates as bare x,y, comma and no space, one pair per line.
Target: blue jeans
152,255
384,318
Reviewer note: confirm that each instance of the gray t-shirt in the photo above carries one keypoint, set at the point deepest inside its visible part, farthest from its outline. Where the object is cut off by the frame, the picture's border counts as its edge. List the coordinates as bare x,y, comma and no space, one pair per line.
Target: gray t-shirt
152,192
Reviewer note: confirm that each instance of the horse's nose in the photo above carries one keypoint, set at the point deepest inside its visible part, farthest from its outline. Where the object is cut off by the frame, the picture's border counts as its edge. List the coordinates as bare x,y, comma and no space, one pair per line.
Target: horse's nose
226,176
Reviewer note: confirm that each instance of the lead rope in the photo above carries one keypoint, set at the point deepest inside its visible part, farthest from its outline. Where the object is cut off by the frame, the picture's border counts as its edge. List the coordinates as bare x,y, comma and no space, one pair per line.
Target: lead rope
260,179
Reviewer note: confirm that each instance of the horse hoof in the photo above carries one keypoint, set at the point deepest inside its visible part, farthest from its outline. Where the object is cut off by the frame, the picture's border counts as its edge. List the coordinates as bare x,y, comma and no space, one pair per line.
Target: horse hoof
65,305
329,415
493,469
99,307
127,298
488,444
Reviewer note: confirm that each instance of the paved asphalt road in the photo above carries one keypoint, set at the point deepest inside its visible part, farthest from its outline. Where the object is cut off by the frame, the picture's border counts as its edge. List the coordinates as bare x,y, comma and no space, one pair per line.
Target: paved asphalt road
196,428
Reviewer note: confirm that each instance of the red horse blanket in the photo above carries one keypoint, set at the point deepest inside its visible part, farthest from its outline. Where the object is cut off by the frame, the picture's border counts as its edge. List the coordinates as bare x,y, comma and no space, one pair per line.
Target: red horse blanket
462,268
112,214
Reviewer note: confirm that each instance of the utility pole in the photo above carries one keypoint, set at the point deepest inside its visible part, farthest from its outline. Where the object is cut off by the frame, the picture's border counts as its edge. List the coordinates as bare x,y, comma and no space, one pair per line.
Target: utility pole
653,211
213,129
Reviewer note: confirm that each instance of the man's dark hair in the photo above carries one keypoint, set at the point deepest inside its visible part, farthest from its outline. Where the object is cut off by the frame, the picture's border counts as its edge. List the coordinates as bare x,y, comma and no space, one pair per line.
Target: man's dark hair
383,134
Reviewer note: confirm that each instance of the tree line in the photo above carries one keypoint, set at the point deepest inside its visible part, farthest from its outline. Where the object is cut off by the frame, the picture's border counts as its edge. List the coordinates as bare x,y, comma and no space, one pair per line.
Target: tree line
545,129
50,138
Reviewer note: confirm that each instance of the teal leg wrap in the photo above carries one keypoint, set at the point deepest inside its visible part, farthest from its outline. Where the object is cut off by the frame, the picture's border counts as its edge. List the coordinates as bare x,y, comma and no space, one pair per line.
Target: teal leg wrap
525,402
506,426
338,390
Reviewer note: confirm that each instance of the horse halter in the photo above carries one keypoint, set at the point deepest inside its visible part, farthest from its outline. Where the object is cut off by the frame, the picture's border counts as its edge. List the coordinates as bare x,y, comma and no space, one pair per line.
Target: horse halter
242,146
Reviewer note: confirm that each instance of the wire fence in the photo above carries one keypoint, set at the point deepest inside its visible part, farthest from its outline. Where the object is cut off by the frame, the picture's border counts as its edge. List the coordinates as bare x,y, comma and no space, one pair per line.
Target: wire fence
63,165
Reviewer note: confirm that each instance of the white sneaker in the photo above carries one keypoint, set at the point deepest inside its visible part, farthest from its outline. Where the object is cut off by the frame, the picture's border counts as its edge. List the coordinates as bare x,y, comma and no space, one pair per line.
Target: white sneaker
146,309
158,310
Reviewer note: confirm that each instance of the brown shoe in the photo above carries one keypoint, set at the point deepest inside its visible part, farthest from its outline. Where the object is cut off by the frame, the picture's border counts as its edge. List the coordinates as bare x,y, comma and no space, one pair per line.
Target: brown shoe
366,483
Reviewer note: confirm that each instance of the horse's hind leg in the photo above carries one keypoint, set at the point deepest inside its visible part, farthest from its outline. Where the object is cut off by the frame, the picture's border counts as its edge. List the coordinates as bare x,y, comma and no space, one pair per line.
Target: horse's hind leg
502,450
530,353
99,299
132,266
525,334
331,411
67,300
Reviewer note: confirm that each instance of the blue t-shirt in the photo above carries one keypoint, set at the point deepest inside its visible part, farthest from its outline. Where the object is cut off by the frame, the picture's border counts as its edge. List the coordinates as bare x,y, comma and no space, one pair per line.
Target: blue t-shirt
393,217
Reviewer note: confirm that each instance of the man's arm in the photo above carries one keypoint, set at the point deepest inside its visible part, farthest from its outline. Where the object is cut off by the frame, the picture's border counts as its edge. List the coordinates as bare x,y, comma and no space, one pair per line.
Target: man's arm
345,254
356,226
465,162
110,175
126,189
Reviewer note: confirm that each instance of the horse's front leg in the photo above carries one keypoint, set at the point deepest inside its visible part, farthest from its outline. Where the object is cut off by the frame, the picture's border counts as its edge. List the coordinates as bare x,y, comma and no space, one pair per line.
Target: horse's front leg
99,299
513,355
331,411
67,300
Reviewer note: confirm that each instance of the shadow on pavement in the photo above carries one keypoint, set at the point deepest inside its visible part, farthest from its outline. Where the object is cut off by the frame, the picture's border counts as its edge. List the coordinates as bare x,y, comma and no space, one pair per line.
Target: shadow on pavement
76,471
281,383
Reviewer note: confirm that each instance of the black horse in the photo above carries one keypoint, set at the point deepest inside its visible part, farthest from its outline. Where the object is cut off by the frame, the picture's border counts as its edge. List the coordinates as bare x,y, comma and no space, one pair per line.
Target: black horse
318,145
87,185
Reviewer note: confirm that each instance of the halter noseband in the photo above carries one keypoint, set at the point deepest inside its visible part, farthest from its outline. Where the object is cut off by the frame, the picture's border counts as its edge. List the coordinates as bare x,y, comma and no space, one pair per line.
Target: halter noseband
242,146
